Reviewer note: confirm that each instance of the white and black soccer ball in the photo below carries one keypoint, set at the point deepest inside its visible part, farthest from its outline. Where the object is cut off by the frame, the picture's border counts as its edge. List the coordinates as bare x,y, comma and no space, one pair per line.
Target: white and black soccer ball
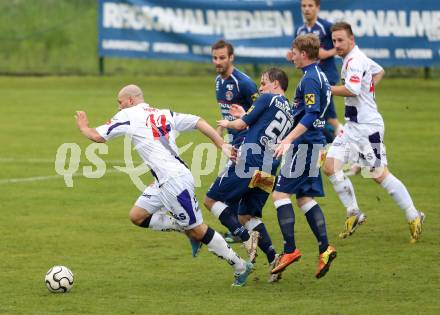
59,279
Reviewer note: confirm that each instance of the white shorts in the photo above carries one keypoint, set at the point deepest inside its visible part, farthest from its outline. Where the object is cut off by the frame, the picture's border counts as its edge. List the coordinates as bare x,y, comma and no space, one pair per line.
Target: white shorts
360,143
178,197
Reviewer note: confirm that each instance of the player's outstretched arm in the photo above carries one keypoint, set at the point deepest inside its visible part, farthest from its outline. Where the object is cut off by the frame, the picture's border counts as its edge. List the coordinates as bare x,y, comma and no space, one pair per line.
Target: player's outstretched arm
220,130
83,125
283,146
237,124
212,134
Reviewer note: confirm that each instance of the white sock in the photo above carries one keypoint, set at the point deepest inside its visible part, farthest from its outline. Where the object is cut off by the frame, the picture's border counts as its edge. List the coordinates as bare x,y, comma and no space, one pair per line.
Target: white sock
165,223
309,205
397,190
344,188
217,208
220,248
252,223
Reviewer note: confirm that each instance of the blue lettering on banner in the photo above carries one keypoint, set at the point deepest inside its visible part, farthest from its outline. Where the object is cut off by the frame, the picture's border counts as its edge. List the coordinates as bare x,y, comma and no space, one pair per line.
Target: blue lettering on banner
262,30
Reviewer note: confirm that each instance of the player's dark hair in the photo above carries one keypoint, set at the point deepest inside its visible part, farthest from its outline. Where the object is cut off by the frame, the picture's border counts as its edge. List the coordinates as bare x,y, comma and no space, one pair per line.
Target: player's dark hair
343,26
222,44
276,74
309,43
317,2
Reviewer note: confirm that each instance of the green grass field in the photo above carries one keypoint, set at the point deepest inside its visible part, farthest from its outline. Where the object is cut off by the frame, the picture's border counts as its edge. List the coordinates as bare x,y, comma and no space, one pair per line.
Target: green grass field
122,269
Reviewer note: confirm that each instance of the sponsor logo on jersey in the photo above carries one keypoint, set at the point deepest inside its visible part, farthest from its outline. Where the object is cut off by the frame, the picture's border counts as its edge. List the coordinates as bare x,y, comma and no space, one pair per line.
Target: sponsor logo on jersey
229,87
229,95
319,123
355,79
310,99
254,97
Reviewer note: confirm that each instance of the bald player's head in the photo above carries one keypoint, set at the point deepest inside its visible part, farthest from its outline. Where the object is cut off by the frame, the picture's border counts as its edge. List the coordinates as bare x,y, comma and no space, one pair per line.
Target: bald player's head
130,95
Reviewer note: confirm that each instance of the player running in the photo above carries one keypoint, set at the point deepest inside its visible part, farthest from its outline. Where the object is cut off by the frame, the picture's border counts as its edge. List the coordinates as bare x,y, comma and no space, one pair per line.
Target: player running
153,133
363,135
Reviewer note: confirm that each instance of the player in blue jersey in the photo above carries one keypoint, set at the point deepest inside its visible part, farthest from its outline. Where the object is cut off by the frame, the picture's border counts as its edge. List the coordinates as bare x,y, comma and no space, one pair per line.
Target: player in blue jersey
322,28
232,87
302,147
252,177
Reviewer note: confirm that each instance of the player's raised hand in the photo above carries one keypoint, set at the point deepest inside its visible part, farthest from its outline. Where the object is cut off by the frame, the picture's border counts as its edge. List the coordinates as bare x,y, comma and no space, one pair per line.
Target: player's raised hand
282,148
237,111
81,120
223,123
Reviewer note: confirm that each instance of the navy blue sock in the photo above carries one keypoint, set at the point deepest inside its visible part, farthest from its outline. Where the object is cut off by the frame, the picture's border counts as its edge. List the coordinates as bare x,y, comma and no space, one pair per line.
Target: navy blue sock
316,221
234,207
265,243
229,219
146,222
286,220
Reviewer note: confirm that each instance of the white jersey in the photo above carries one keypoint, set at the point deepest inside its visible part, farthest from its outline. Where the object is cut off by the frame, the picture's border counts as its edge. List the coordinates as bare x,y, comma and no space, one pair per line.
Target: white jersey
153,134
357,76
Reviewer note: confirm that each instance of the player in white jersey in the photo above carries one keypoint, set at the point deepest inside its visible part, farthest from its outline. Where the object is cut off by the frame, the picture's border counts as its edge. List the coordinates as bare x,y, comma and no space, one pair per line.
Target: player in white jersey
362,139
153,134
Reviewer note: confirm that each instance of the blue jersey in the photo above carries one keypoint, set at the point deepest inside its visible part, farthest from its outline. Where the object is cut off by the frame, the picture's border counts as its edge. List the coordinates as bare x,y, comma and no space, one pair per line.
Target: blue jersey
269,119
312,95
322,29
238,89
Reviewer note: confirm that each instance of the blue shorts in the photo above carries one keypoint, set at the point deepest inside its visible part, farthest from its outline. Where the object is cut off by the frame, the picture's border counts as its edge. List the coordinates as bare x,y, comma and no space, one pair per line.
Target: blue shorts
229,188
300,175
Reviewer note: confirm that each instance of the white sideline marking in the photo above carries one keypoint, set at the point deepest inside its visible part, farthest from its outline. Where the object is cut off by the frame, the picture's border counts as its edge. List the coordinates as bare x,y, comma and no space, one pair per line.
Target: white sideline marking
18,161
37,178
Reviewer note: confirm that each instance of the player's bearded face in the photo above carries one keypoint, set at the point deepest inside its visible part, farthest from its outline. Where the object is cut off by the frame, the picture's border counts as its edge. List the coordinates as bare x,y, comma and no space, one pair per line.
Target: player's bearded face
342,42
221,60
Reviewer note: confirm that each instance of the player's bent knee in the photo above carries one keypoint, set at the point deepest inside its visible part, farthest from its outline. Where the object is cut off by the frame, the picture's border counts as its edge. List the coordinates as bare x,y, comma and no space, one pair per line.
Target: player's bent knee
197,233
381,174
276,195
244,218
208,202
138,215
329,167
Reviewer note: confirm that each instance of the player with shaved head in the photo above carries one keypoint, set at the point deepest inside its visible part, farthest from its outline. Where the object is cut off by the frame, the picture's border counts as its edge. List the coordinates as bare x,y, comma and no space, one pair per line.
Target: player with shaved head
153,134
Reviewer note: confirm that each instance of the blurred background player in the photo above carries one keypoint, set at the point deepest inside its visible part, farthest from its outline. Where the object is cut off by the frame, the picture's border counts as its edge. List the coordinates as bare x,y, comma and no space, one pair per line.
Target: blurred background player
153,133
322,28
303,145
363,135
231,87
268,120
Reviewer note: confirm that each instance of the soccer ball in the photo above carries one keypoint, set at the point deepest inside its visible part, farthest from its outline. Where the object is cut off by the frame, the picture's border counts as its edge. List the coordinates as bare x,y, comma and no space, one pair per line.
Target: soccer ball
59,279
